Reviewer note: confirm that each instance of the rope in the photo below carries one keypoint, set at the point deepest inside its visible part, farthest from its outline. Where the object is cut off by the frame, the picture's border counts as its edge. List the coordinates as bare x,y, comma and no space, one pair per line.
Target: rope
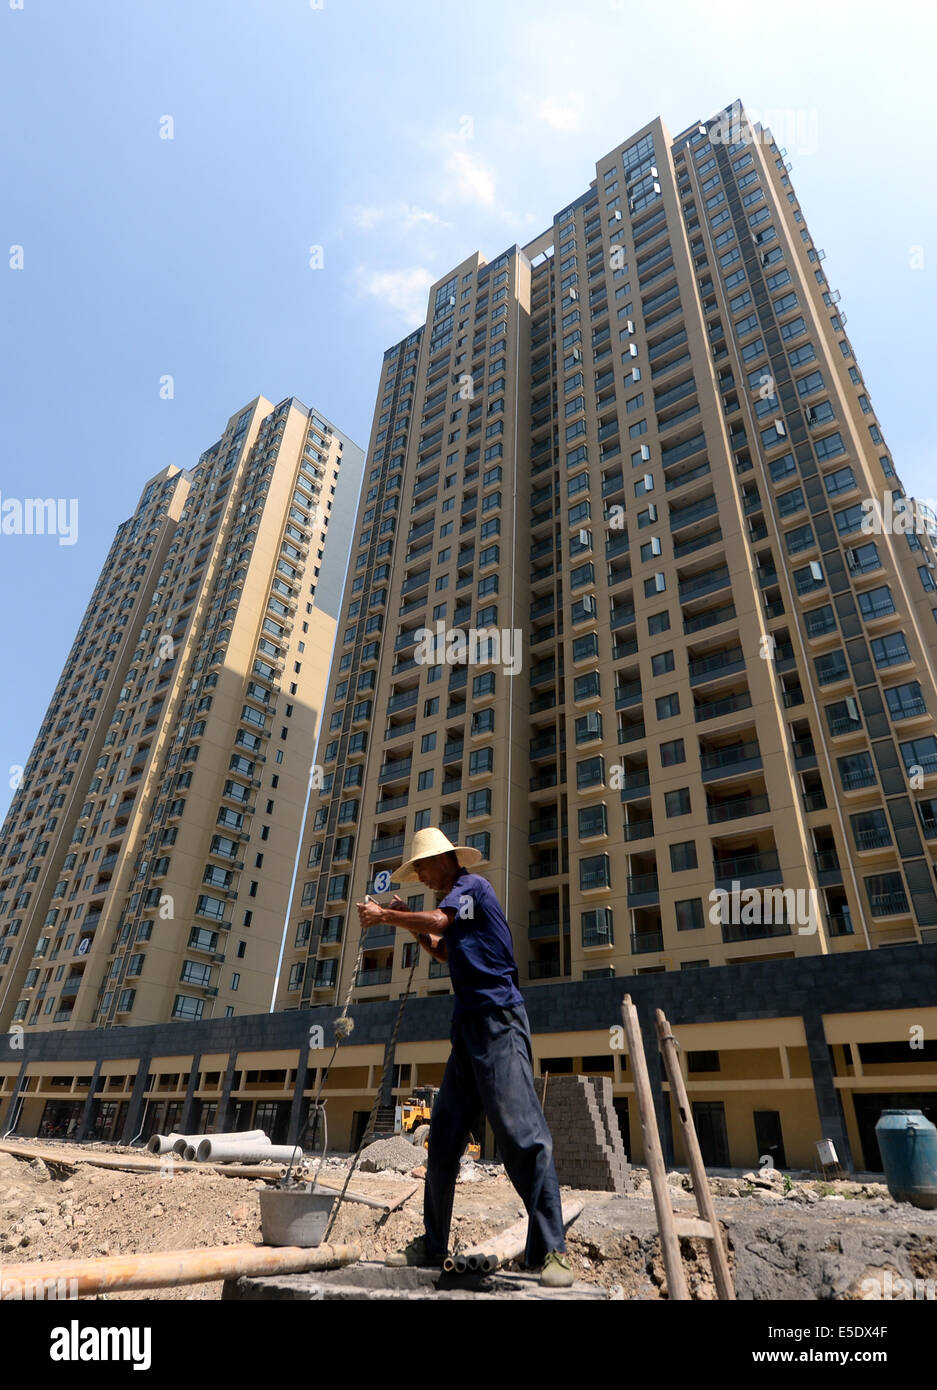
369,1127
341,1032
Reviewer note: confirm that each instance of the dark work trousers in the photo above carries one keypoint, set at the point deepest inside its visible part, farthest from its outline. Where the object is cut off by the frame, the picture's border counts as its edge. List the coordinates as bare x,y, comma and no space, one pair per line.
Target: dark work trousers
490,1068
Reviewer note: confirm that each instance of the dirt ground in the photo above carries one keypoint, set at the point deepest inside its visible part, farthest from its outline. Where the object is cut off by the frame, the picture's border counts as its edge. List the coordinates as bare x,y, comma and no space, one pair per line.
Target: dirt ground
72,1208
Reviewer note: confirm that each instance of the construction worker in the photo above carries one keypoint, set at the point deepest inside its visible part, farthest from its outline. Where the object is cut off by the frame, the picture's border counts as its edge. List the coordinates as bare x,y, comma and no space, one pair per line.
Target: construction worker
490,1066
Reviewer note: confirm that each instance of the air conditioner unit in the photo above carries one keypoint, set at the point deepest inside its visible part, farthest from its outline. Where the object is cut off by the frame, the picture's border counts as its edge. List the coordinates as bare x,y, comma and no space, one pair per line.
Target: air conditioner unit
630,325
616,215
573,293
645,451
593,724
577,354
780,427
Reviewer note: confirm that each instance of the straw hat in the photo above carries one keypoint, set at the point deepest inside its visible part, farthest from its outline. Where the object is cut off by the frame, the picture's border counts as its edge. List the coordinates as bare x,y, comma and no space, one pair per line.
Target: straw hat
428,842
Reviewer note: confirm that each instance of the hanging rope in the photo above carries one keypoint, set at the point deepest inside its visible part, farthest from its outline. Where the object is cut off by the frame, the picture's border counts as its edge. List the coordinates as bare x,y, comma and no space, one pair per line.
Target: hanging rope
369,1127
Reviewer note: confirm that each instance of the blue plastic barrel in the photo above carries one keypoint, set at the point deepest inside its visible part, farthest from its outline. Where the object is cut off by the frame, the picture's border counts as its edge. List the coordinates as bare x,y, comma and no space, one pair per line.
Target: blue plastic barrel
908,1144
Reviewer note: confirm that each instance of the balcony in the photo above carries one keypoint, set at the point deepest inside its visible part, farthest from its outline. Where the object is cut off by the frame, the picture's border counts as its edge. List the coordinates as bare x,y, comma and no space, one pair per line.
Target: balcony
627,693
730,761
701,584
544,969
736,808
753,931
712,709
716,664
546,866
642,829
749,870
366,978
644,942
711,618
386,849
406,700
635,784
392,772
643,890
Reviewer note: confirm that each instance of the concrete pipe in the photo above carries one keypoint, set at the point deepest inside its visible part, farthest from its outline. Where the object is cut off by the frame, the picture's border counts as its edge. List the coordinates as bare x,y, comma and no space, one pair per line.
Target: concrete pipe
160,1144
188,1153
249,1136
232,1151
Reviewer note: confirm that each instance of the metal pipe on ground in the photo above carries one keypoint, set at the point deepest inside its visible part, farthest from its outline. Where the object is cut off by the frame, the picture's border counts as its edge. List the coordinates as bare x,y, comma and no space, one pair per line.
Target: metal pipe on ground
249,1136
167,1269
509,1245
213,1150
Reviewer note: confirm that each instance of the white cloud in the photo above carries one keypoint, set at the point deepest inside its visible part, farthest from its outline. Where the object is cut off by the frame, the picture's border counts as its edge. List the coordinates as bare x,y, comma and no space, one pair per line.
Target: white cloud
405,215
559,117
403,291
471,180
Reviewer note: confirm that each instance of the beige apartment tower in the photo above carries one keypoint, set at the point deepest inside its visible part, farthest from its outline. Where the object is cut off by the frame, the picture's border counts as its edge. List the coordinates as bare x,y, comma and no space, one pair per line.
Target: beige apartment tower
640,449
147,857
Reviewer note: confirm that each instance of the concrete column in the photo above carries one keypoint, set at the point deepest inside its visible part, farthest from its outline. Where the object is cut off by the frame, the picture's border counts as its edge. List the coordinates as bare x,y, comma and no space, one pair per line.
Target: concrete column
299,1107
188,1105
84,1124
829,1104
222,1116
134,1121
14,1099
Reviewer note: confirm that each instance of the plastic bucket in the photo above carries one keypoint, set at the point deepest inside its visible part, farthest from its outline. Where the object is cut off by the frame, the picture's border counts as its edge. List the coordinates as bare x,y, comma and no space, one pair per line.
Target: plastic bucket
299,1218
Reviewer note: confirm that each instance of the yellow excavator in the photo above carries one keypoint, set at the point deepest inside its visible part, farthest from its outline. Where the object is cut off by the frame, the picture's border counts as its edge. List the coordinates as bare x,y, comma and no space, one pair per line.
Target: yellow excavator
415,1115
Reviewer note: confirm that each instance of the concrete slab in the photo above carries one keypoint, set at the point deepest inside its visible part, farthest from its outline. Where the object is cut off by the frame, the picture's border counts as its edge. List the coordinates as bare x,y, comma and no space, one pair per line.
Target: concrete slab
369,1280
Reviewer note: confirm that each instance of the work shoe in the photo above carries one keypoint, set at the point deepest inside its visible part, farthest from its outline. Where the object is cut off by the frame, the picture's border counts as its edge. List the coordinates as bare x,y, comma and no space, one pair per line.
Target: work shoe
415,1253
556,1273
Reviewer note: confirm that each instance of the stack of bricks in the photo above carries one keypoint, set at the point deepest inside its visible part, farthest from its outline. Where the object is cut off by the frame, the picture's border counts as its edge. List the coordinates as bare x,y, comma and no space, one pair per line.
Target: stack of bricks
587,1147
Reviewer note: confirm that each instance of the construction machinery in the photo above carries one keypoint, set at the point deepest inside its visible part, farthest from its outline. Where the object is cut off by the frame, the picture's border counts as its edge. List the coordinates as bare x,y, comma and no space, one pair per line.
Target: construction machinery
413,1117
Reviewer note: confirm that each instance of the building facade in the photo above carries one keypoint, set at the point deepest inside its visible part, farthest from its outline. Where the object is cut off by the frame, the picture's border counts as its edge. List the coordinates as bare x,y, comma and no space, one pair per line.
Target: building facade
147,857
640,452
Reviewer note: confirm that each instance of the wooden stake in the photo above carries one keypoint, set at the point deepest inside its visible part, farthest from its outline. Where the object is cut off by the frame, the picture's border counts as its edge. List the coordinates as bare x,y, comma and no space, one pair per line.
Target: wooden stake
704,1201
653,1157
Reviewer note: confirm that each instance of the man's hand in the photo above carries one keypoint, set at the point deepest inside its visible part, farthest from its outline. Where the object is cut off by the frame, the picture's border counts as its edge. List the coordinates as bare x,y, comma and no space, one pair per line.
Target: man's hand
369,914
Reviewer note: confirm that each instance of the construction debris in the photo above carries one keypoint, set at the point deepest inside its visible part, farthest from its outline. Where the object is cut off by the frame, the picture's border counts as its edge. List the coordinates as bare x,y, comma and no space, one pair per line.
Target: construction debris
394,1155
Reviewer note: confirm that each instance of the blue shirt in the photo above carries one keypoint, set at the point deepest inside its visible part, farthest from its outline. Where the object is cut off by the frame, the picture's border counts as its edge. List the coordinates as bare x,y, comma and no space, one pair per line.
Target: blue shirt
481,953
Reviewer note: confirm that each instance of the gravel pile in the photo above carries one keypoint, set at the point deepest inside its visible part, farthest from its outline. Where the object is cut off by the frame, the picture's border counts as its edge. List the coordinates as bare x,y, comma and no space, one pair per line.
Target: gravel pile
394,1155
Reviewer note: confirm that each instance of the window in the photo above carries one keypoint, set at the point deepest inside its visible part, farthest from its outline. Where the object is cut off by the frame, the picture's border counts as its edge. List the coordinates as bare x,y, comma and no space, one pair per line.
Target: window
689,914
667,706
891,650
662,663
905,701
876,603
856,770
870,830
659,622
478,804
683,856
672,753
920,753
677,802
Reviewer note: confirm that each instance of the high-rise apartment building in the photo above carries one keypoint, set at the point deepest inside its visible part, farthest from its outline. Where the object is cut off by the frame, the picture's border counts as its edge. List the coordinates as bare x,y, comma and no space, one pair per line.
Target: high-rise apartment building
640,449
147,856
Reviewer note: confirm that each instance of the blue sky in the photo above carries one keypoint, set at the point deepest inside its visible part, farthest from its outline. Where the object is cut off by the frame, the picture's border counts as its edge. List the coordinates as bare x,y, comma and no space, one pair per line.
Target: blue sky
398,137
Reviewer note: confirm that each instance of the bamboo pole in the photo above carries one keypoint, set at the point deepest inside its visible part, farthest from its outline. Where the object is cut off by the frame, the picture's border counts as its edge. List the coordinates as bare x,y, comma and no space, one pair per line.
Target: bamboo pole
704,1202
653,1157
116,1273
